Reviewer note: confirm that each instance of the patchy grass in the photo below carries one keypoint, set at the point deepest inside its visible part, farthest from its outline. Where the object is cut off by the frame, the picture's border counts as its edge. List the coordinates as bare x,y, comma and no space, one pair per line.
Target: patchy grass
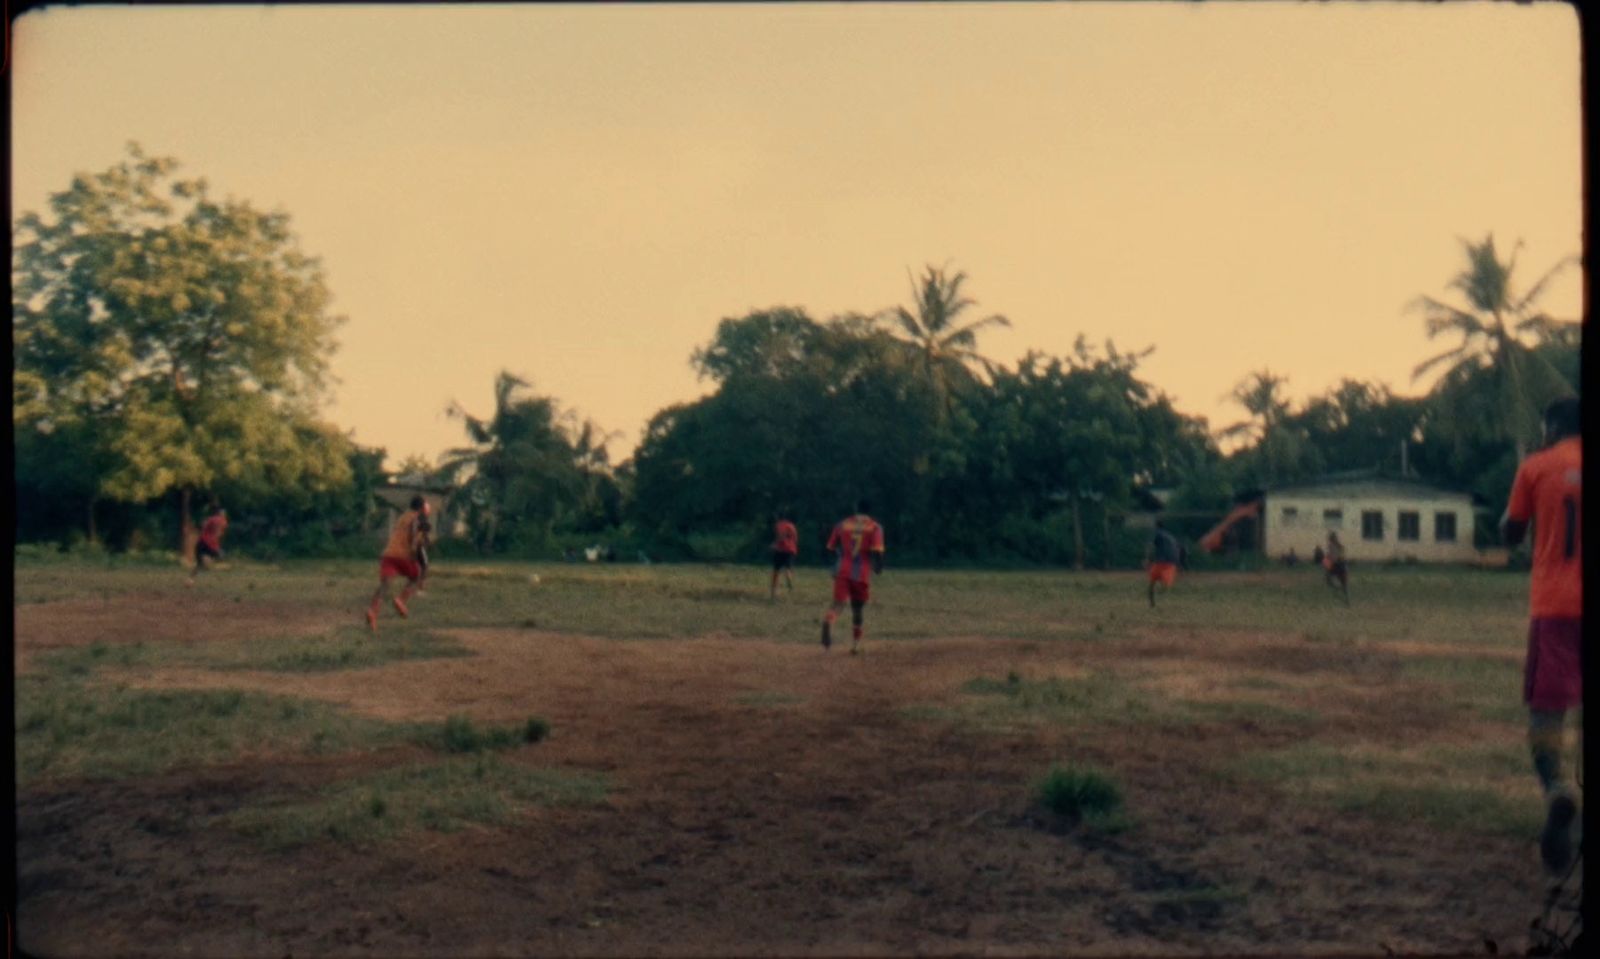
72,730
68,730
443,797
1468,608
1475,789
1101,698
768,699
1489,688
339,649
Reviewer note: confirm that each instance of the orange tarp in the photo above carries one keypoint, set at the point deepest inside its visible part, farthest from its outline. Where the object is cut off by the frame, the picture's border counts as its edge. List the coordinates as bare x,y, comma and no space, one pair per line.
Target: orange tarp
1212,541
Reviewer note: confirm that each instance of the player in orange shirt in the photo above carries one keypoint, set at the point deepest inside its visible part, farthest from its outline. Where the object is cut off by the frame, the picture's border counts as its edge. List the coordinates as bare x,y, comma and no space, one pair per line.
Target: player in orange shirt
785,544
1548,491
858,540
210,541
400,559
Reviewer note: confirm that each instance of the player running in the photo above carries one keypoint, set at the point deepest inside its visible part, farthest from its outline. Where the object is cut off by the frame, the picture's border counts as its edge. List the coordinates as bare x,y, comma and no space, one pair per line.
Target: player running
1334,571
399,559
424,538
785,544
1548,491
1161,558
210,541
858,540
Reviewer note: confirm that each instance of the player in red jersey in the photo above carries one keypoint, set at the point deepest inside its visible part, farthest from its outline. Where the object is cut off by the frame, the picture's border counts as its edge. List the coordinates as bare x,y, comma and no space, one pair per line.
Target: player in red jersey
399,559
1548,491
785,544
210,541
858,541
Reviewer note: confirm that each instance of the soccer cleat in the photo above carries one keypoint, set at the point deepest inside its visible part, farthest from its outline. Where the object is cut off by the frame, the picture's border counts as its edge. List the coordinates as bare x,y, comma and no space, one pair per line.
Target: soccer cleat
855,650
400,608
827,634
372,620
1555,842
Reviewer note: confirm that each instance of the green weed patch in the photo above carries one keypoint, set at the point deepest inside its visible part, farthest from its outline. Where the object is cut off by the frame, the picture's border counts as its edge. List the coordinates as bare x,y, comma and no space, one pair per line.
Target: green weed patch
444,796
68,730
1476,790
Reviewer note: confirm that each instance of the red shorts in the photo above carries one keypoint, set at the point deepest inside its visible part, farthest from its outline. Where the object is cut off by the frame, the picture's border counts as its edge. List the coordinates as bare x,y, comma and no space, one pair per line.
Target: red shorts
845,588
1552,677
395,566
1164,573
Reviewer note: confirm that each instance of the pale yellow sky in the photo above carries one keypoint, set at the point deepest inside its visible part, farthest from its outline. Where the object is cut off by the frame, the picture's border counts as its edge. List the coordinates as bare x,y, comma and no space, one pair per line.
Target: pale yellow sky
579,193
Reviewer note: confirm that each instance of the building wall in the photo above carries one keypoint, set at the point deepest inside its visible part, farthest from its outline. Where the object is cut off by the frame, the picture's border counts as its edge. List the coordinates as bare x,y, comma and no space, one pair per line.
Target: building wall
1307,528
445,522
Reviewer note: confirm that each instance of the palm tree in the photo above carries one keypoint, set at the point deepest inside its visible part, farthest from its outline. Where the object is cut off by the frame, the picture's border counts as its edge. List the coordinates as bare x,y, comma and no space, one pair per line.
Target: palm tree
522,466
1277,448
945,345
1491,328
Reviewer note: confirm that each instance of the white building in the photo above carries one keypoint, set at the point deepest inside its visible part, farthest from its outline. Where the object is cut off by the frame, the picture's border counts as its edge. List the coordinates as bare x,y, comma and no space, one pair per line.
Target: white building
1377,519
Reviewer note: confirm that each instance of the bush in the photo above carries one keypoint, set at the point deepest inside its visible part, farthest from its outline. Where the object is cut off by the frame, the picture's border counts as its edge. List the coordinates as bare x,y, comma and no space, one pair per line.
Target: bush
1078,793
460,736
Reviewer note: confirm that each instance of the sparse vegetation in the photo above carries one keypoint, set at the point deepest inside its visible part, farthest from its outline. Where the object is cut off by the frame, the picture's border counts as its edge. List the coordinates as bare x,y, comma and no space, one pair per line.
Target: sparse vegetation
442,796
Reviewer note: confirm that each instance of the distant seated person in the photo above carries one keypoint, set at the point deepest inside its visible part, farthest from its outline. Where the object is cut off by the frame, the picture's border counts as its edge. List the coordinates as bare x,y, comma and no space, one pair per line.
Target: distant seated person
1290,559
1316,555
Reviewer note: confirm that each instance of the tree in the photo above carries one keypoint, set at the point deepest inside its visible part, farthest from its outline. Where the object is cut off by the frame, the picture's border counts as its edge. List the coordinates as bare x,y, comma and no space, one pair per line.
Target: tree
1493,328
184,340
1277,451
528,468
945,346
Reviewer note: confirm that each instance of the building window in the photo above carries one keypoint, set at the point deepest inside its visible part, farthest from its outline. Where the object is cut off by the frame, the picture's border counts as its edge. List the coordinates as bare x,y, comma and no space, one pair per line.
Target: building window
1409,527
1372,524
1333,518
1291,516
1444,527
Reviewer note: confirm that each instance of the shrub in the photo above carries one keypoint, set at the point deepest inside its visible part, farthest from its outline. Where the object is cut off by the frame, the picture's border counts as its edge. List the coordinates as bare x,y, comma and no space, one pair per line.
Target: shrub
1077,793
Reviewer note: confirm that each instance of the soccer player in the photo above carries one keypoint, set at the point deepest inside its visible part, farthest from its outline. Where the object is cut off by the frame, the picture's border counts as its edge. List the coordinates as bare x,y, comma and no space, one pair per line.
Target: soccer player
424,537
1335,573
858,540
1548,491
785,544
1161,559
210,541
399,559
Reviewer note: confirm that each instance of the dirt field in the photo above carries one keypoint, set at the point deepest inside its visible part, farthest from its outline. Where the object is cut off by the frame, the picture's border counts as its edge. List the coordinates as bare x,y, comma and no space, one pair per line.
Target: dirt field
767,798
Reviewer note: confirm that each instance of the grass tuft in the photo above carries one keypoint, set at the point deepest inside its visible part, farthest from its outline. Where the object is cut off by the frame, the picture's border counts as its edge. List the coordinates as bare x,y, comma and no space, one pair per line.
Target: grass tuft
459,735
1080,794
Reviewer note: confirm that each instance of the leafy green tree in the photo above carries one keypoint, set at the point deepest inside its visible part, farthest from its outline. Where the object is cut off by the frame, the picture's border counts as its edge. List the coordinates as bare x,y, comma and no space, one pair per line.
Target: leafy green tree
1498,330
1357,424
183,340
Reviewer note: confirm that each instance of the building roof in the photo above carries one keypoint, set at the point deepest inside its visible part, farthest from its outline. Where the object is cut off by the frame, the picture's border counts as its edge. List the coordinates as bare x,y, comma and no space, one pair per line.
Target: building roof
1358,484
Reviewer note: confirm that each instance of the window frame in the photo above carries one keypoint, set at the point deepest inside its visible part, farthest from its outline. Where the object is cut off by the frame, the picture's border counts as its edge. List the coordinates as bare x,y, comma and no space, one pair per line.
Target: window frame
1415,516
1366,535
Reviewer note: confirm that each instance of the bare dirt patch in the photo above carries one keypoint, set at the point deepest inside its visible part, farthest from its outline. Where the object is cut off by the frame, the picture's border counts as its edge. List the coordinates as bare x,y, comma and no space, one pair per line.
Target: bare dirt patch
767,798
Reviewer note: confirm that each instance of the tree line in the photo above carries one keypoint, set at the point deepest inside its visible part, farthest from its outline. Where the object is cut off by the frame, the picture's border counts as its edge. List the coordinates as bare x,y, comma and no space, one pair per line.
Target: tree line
171,349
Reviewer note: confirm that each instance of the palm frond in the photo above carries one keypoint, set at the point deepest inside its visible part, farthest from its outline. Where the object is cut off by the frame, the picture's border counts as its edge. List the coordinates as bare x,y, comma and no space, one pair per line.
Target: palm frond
1537,289
1448,356
909,323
